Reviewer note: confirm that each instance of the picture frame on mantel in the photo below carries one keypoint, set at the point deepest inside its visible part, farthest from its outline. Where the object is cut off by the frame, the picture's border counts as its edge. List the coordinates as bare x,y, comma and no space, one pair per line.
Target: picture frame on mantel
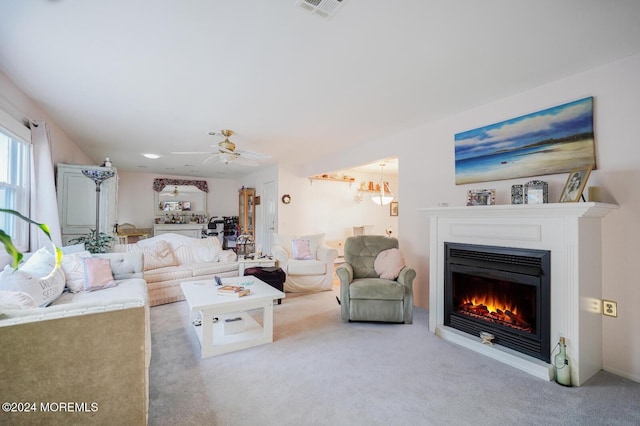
393,208
575,184
481,197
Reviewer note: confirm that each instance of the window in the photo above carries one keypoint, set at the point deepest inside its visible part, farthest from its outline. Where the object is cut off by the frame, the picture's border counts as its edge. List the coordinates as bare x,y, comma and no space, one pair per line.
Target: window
15,160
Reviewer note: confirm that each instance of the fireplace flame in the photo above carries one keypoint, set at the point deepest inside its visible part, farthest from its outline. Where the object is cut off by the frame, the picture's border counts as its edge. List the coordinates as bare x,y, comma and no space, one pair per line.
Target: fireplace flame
493,304
494,309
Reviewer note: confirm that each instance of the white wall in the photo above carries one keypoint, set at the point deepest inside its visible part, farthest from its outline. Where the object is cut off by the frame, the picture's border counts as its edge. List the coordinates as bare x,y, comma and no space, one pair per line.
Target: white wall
328,207
426,156
21,107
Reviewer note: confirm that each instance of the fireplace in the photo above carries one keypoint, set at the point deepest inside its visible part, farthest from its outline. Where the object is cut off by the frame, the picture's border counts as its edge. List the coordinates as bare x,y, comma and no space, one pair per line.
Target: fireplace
500,293
571,232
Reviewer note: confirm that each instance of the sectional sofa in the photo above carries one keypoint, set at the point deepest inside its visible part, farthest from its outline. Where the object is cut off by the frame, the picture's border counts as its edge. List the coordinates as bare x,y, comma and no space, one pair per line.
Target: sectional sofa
84,358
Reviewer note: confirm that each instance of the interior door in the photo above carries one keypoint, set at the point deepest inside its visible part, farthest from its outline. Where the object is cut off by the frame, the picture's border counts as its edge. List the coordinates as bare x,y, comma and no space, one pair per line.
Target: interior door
269,215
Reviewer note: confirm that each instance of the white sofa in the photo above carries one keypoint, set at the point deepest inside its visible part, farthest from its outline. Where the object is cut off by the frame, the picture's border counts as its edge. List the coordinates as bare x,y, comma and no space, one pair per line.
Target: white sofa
170,259
305,275
86,347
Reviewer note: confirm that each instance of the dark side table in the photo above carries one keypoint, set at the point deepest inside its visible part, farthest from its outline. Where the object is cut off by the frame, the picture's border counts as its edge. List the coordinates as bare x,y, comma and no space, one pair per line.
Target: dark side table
271,275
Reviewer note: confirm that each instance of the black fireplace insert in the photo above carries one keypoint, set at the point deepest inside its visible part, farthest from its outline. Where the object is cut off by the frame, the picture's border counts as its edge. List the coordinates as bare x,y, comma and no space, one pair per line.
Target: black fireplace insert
503,292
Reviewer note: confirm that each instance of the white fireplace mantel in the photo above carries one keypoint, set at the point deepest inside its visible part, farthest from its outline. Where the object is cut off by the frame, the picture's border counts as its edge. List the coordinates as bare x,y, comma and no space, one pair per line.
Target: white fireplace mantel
571,232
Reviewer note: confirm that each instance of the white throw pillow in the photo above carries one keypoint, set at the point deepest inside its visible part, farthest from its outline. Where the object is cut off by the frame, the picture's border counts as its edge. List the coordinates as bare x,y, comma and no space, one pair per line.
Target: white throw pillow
206,250
16,300
35,278
389,263
73,269
159,256
76,248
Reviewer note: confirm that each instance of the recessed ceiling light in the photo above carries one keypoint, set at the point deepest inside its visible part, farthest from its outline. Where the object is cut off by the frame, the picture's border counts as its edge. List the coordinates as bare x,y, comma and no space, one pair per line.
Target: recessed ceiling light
151,156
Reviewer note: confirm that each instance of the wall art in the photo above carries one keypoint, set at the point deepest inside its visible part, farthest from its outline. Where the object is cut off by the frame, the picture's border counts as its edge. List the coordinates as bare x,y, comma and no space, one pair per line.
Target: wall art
551,141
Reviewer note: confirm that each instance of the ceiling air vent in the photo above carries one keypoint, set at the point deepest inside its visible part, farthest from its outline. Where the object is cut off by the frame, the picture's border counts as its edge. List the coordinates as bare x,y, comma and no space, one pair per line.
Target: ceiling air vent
324,8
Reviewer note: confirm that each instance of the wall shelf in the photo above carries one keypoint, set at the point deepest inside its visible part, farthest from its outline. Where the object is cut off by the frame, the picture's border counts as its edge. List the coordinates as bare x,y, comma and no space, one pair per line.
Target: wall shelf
347,179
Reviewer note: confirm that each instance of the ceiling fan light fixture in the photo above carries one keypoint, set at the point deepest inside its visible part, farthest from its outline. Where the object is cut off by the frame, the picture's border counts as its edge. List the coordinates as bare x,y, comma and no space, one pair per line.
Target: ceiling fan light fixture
226,157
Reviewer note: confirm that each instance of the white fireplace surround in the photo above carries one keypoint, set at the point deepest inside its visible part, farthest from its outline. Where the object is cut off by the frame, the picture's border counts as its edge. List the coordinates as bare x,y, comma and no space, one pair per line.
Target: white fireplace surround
571,232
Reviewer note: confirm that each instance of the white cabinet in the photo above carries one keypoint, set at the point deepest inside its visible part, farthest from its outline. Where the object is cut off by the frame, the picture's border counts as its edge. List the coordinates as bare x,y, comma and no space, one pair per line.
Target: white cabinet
77,201
189,230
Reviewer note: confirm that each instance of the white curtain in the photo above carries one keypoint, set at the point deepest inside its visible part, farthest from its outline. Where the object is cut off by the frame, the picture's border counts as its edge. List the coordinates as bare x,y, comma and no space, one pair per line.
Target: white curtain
44,203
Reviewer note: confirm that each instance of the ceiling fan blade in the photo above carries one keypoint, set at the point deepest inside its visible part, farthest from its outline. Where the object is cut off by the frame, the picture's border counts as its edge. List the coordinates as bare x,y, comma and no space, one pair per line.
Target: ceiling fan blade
192,152
242,161
211,157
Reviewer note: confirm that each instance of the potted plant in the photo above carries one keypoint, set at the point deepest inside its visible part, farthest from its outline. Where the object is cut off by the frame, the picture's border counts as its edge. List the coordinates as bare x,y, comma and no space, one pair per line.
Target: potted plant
102,244
11,248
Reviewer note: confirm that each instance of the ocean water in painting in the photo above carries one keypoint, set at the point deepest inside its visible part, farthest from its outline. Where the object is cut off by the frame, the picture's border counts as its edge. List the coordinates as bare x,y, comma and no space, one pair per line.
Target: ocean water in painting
550,141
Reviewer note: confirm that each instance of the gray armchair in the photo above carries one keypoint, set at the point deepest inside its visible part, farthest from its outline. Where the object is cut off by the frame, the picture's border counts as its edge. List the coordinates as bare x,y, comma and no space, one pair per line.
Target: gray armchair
364,295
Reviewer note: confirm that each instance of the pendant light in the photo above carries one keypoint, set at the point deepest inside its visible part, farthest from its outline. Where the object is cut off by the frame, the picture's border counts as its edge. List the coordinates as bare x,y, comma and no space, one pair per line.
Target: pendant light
383,196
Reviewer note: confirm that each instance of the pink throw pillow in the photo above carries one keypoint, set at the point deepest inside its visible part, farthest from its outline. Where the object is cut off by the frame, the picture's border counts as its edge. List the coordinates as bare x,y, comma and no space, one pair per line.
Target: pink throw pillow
97,274
389,263
301,250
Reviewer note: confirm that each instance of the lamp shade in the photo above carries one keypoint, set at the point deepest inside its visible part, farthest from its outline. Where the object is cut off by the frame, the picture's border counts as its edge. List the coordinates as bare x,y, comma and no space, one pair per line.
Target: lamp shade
384,196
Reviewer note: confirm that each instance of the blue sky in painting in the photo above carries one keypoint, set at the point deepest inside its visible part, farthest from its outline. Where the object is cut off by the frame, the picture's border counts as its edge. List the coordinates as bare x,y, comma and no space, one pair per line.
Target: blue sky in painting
557,122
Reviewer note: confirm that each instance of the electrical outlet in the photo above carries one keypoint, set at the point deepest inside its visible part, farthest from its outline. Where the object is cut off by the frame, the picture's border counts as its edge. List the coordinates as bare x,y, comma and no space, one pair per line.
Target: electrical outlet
610,308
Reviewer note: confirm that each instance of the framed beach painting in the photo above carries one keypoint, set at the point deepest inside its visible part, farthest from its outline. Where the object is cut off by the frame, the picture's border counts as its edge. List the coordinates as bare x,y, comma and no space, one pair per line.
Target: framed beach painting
551,141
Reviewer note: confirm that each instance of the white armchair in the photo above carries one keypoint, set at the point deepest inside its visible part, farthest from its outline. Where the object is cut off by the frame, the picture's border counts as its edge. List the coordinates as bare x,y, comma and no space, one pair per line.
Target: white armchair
306,271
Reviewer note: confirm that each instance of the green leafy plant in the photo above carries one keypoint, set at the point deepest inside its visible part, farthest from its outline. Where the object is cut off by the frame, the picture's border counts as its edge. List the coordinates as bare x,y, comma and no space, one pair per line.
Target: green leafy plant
101,245
13,250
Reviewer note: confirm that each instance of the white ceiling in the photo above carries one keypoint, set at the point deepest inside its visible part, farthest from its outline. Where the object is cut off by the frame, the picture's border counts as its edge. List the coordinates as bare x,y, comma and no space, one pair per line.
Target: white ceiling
125,77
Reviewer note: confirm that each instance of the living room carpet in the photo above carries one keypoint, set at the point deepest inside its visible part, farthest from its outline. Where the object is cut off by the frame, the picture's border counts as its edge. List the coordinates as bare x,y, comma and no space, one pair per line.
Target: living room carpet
322,371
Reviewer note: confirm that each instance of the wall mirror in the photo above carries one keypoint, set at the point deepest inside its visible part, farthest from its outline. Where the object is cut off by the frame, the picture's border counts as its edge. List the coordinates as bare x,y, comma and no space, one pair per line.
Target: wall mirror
180,199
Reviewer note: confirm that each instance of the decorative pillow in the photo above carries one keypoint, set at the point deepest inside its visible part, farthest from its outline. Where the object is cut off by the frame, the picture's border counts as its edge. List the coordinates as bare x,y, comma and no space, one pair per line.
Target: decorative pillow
97,274
301,250
37,277
389,263
16,300
159,256
73,269
76,248
206,250
315,241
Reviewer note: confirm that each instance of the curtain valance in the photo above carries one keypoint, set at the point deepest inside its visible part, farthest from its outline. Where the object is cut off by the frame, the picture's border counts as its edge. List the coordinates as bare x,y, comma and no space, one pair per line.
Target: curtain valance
160,183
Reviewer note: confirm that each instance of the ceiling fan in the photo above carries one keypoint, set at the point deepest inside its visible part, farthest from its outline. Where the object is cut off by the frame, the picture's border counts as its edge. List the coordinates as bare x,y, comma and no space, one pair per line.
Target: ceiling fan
173,193
226,152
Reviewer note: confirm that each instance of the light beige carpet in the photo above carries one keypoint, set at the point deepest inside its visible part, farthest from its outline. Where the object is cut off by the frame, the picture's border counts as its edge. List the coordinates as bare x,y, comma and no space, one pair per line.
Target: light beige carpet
322,371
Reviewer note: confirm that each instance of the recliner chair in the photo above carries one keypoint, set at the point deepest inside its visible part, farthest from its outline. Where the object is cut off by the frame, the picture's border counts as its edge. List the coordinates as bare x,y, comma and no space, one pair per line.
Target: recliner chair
364,295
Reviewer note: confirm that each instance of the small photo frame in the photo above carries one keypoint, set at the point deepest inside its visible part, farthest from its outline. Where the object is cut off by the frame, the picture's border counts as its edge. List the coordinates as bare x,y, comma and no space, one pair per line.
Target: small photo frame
186,206
536,192
481,197
393,208
575,185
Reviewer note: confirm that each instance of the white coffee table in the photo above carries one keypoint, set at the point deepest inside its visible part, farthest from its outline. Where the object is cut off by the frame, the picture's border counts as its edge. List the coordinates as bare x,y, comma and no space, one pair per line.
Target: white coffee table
205,303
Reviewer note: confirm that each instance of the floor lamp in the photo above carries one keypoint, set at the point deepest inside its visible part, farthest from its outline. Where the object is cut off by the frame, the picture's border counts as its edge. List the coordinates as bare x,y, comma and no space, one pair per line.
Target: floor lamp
98,176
